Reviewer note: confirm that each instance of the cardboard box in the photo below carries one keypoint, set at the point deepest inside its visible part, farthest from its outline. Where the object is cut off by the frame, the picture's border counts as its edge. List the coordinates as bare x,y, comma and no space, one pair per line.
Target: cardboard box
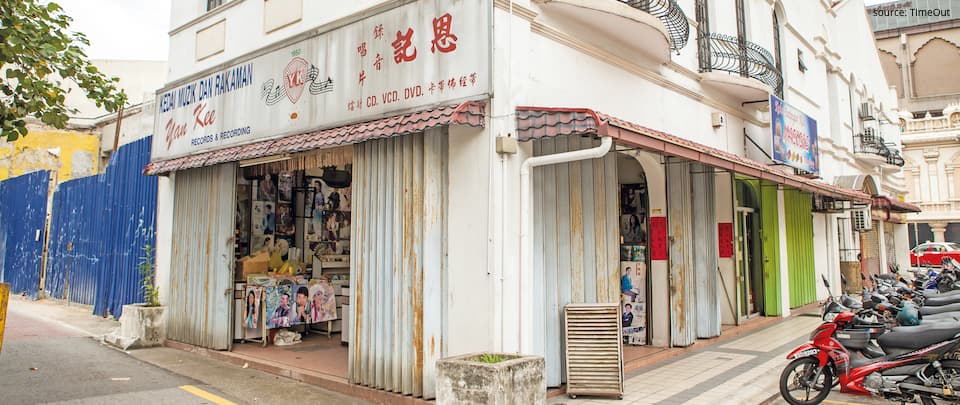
257,263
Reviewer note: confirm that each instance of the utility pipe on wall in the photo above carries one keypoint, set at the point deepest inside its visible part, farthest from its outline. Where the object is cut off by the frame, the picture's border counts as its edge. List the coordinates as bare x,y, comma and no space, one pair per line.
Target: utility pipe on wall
526,225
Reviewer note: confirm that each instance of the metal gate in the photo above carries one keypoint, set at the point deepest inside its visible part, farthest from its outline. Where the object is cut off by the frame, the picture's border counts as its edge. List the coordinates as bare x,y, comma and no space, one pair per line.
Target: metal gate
575,239
23,216
683,326
98,228
201,263
800,257
397,262
705,260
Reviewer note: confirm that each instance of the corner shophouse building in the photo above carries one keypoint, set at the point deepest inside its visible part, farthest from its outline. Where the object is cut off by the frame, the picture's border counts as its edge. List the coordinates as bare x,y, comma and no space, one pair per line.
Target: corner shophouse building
449,253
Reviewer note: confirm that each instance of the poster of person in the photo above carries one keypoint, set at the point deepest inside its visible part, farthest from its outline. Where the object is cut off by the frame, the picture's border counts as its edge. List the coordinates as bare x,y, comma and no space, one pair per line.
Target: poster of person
285,184
268,220
323,303
267,188
301,305
331,226
632,198
278,306
332,195
243,211
633,229
286,225
633,298
345,199
251,308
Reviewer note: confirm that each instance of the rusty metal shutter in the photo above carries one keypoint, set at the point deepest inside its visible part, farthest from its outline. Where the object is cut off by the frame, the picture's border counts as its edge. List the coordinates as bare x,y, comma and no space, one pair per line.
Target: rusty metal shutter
683,326
397,262
575,241
870,249
705,260
201,262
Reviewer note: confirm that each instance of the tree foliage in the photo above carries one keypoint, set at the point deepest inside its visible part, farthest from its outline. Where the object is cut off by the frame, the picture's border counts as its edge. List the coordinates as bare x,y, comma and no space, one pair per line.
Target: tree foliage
38,53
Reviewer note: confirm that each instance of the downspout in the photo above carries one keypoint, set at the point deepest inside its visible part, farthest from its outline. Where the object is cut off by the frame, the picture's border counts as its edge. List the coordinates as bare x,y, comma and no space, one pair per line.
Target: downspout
526,224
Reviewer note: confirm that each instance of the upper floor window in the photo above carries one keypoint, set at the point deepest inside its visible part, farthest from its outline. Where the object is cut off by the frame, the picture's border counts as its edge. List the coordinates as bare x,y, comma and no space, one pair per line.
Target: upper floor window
212,4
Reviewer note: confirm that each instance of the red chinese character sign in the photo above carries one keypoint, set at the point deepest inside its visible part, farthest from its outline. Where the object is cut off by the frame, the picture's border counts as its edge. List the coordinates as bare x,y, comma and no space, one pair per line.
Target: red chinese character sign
658,238
725,239
415,55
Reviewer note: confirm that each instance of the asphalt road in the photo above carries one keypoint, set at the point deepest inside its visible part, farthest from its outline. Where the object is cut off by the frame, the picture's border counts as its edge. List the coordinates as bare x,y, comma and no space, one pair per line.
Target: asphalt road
44,362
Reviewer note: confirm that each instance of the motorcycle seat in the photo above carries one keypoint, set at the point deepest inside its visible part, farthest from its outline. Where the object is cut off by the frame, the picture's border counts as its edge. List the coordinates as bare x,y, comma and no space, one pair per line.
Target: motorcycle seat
925,310
935,293
941,316
906,338
941,300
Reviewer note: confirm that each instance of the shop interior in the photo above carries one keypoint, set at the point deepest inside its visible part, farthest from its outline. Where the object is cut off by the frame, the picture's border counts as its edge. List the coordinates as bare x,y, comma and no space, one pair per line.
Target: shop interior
292,280
634,258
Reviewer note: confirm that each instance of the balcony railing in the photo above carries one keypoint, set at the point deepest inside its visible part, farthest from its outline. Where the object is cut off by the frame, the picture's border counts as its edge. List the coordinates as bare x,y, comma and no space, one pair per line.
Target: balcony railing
870,143
895,158
670,14
730,54
927,124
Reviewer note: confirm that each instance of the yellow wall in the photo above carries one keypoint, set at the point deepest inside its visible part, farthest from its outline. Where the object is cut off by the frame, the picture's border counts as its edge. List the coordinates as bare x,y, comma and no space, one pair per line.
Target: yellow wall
78,155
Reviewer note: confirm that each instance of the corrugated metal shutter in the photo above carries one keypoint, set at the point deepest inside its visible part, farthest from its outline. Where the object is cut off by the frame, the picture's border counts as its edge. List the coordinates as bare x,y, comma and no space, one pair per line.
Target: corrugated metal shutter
201,263
397,262
23,216
770,234
890,241
870,249
800,258
576,241
683,326
706,257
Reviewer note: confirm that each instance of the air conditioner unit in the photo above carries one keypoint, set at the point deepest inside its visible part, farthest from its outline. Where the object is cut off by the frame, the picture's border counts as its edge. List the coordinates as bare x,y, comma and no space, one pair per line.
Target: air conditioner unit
866,110
862,222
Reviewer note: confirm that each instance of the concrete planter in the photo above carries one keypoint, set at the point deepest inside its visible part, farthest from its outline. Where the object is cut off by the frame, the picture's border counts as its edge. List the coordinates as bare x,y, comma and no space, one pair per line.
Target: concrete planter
140,326
518,380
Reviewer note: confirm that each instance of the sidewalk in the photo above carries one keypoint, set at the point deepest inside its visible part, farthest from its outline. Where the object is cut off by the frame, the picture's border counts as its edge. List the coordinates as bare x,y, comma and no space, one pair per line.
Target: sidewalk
239,381
742,371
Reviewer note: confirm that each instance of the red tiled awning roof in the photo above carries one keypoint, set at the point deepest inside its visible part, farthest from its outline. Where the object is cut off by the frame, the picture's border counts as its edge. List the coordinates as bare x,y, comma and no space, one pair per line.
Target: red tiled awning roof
469,113
884,202
542,122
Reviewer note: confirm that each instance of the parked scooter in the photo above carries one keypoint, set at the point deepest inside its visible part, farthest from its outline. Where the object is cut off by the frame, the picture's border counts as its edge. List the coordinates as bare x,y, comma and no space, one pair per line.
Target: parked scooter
921,362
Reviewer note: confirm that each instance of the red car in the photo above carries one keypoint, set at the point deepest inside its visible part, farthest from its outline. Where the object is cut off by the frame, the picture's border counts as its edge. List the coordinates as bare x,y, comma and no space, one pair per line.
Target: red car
933,253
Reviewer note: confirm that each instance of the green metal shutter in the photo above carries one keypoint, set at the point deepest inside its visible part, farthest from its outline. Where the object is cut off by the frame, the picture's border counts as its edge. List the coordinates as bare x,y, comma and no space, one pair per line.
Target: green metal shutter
800,258
770,234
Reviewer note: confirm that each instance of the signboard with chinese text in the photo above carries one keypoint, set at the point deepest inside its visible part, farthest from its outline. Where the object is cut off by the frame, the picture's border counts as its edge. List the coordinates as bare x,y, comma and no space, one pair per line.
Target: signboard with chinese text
658,238
725,239
420,54
794,137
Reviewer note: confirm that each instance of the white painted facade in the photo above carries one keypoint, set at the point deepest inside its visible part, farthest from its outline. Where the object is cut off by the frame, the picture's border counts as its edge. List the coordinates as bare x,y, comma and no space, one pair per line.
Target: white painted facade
541,58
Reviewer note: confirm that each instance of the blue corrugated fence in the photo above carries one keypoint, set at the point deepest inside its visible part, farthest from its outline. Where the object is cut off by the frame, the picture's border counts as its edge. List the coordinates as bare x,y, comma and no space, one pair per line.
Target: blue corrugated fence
23,212
99,227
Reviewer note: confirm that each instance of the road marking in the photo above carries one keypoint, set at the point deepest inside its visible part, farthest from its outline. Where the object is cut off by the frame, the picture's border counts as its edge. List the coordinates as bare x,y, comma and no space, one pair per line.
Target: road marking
206,395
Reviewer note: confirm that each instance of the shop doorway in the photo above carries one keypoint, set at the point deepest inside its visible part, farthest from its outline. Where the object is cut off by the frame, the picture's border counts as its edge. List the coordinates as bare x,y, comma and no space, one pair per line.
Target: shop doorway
749,252
634,220
293,227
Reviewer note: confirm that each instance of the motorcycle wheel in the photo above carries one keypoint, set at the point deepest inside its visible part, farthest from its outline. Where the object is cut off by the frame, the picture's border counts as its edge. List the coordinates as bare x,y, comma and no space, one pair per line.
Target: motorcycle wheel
796,386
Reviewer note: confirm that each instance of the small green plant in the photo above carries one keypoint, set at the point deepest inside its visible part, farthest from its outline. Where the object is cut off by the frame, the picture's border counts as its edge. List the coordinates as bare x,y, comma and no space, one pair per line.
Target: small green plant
148,271
490,358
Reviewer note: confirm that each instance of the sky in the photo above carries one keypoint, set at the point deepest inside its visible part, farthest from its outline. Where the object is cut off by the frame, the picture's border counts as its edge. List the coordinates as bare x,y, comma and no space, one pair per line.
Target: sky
122,29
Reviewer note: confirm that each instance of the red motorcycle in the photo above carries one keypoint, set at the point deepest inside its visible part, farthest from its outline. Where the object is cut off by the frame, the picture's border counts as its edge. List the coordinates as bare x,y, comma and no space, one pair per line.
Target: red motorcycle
920,361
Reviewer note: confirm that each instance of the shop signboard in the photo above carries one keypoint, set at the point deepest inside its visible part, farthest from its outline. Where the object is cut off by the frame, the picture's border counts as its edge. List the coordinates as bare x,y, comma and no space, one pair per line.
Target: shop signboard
419,54
794,137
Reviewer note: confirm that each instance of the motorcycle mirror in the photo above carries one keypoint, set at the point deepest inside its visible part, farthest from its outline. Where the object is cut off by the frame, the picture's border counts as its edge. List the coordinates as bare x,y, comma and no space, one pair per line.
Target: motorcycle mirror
863,277
825,282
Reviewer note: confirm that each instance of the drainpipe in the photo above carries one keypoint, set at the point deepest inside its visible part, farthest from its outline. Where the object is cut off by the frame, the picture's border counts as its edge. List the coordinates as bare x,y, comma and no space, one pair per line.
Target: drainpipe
526,224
